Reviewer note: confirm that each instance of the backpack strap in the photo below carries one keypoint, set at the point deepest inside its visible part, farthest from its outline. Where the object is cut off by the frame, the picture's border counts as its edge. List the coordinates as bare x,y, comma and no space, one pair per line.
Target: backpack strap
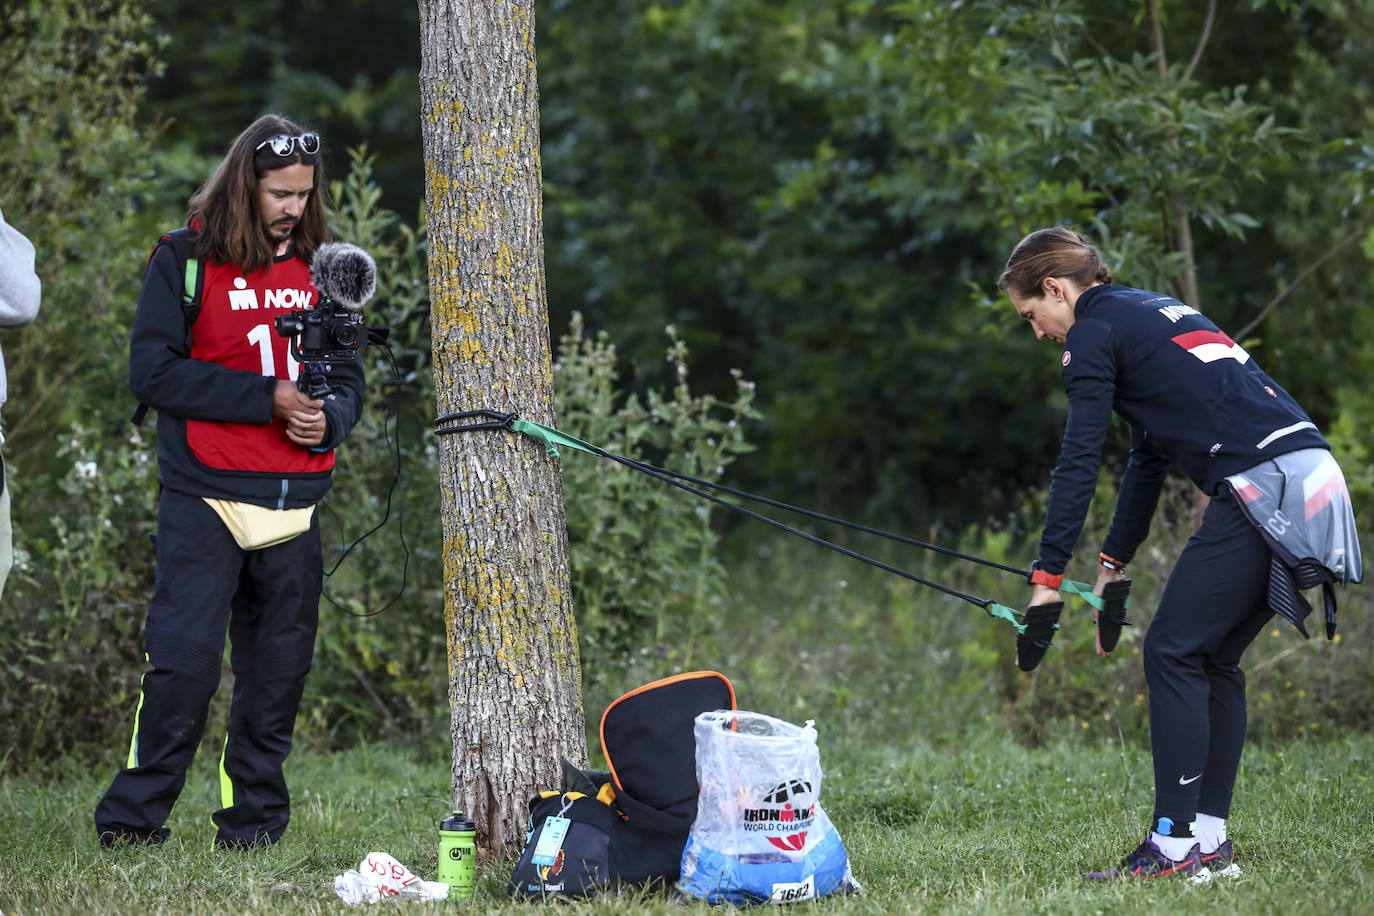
193,284
190,294
183,245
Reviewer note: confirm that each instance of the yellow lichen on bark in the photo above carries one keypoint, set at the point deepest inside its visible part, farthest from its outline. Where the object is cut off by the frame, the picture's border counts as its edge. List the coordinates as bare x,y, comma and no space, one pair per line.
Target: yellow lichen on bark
512,652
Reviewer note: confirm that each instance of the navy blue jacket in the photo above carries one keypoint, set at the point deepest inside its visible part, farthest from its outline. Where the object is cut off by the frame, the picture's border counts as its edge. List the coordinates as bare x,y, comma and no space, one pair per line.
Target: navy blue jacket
188,392
1193,397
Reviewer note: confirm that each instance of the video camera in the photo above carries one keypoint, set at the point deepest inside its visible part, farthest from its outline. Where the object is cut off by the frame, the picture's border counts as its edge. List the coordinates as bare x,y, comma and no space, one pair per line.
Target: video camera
331,332
328,332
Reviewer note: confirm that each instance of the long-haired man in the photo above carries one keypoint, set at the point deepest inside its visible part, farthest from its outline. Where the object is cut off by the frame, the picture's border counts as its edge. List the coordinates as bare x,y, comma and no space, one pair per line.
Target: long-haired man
243,458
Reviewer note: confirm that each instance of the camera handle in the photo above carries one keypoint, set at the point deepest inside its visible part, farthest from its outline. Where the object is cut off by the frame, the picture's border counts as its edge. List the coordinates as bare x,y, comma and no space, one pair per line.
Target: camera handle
313,379
312,375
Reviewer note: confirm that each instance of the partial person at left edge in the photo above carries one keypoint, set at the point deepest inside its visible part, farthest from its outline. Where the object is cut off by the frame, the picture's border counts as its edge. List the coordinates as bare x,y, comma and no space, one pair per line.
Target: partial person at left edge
20,294
244,457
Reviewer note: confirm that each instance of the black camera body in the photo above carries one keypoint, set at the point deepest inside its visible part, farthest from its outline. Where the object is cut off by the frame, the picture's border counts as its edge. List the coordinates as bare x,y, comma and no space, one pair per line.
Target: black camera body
328,332
326,335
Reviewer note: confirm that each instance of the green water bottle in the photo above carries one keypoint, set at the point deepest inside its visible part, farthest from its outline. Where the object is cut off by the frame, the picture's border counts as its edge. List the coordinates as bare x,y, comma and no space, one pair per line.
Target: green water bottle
458,855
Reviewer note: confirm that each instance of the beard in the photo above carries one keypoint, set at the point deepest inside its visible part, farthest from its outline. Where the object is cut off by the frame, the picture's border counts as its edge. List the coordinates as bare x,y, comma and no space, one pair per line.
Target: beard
281,230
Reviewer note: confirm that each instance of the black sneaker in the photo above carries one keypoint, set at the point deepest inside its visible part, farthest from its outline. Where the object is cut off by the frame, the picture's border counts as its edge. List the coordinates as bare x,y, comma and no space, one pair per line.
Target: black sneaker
1149,862
127,836
261,841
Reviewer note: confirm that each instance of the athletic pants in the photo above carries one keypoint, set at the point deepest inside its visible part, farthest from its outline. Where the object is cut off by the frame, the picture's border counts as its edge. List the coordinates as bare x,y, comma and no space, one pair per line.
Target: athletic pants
1213,607
268,601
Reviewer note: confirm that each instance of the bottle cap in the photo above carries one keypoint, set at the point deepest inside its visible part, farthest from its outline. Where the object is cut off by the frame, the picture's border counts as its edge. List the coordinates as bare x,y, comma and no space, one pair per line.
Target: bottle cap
457,822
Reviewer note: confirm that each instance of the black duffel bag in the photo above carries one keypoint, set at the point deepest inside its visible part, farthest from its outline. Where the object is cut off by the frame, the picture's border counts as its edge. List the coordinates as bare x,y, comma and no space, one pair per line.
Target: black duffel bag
626,827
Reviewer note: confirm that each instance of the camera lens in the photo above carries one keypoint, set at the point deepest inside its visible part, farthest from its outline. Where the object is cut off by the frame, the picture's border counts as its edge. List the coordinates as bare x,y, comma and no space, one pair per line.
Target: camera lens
346,334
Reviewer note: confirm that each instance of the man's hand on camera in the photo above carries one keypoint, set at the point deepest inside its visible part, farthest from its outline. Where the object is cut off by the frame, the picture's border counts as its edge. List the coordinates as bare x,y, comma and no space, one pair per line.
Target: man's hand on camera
305,422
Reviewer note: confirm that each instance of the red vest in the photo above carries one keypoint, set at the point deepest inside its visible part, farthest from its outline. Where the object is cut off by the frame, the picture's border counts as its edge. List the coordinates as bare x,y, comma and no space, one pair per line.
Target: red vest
236,328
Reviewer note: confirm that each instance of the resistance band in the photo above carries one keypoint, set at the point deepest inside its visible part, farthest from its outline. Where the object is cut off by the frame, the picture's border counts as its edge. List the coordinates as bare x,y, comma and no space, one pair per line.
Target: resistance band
1035,627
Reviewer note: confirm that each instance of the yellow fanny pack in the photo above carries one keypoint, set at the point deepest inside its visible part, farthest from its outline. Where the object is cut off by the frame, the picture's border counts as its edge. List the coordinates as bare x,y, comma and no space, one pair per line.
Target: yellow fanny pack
254,527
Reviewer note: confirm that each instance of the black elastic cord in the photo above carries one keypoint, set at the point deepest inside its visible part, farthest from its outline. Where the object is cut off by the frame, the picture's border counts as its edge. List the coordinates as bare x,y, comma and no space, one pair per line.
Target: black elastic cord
494,420
394,414
500,420
843,523
652,471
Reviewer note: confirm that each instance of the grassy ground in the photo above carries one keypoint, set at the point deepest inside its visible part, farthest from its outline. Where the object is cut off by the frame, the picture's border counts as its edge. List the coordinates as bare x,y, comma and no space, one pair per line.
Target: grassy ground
990,827
958,784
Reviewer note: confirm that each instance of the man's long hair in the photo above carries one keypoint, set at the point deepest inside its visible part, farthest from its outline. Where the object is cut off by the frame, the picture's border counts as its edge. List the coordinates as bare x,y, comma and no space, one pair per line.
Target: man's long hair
225,210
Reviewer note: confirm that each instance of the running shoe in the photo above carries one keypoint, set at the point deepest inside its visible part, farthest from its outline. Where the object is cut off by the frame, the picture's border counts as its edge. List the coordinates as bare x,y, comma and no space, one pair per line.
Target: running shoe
1149,862
1221,861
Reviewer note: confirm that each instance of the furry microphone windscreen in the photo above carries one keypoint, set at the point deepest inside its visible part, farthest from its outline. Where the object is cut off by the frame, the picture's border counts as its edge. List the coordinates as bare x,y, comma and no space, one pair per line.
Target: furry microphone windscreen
344,273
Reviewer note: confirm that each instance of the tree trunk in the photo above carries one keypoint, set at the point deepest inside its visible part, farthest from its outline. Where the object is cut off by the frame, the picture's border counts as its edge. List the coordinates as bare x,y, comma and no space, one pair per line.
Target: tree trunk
514,670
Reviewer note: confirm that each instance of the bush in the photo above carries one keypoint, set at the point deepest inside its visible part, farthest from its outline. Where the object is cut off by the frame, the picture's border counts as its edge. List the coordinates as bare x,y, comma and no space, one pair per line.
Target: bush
646,571
76,596
76,178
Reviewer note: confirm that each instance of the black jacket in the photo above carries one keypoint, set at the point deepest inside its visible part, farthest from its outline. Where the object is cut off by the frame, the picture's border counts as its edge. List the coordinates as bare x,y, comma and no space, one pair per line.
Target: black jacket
164,376
1192,396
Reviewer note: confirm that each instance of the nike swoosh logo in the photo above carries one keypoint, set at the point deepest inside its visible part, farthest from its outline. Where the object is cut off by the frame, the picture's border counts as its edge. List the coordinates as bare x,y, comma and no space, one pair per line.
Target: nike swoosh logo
1184,782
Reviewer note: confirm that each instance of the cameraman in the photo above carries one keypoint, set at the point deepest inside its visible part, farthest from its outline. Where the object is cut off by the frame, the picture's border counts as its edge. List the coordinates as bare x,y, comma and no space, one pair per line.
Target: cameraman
243,457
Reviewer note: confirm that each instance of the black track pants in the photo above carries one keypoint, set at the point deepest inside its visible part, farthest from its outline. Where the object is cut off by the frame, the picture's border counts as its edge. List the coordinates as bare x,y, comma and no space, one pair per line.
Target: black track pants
1213,607
268,602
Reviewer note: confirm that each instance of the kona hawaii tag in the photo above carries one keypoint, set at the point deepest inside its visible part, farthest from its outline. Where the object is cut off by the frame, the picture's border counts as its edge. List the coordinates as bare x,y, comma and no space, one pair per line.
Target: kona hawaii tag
550,840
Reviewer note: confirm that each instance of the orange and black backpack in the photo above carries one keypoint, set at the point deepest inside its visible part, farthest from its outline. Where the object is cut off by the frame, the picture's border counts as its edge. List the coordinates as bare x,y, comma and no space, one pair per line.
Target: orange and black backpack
628,826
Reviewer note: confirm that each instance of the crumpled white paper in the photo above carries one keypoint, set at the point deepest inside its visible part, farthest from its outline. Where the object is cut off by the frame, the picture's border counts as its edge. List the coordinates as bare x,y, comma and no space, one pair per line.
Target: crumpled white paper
380,877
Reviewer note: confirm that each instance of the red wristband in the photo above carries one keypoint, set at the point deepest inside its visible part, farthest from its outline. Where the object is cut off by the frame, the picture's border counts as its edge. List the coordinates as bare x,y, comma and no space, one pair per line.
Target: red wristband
1111,563
1040,577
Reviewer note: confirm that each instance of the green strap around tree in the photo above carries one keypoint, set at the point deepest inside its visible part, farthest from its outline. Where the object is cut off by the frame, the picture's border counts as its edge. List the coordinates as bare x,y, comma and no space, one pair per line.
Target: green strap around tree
552,438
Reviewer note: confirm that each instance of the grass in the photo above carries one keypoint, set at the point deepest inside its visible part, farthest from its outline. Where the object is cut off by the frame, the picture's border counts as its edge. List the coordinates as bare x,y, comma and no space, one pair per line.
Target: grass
957,784
987,827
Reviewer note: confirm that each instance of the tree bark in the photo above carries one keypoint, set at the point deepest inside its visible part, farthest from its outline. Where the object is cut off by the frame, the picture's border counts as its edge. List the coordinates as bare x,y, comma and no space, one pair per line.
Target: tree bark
514,669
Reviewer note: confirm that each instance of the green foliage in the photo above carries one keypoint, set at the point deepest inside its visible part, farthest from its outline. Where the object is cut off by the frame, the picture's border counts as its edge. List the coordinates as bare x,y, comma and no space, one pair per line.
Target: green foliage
76,177
813,191
958,128
75,173
75,598
1078,135
346,68
1325,332
645,565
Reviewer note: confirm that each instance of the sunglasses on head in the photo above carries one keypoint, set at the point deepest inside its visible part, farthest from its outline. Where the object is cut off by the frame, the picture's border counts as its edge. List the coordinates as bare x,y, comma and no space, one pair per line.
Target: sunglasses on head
285,144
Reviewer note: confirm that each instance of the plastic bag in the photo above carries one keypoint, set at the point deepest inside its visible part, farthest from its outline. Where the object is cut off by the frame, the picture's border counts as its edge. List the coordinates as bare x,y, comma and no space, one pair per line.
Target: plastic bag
760,834
380,877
